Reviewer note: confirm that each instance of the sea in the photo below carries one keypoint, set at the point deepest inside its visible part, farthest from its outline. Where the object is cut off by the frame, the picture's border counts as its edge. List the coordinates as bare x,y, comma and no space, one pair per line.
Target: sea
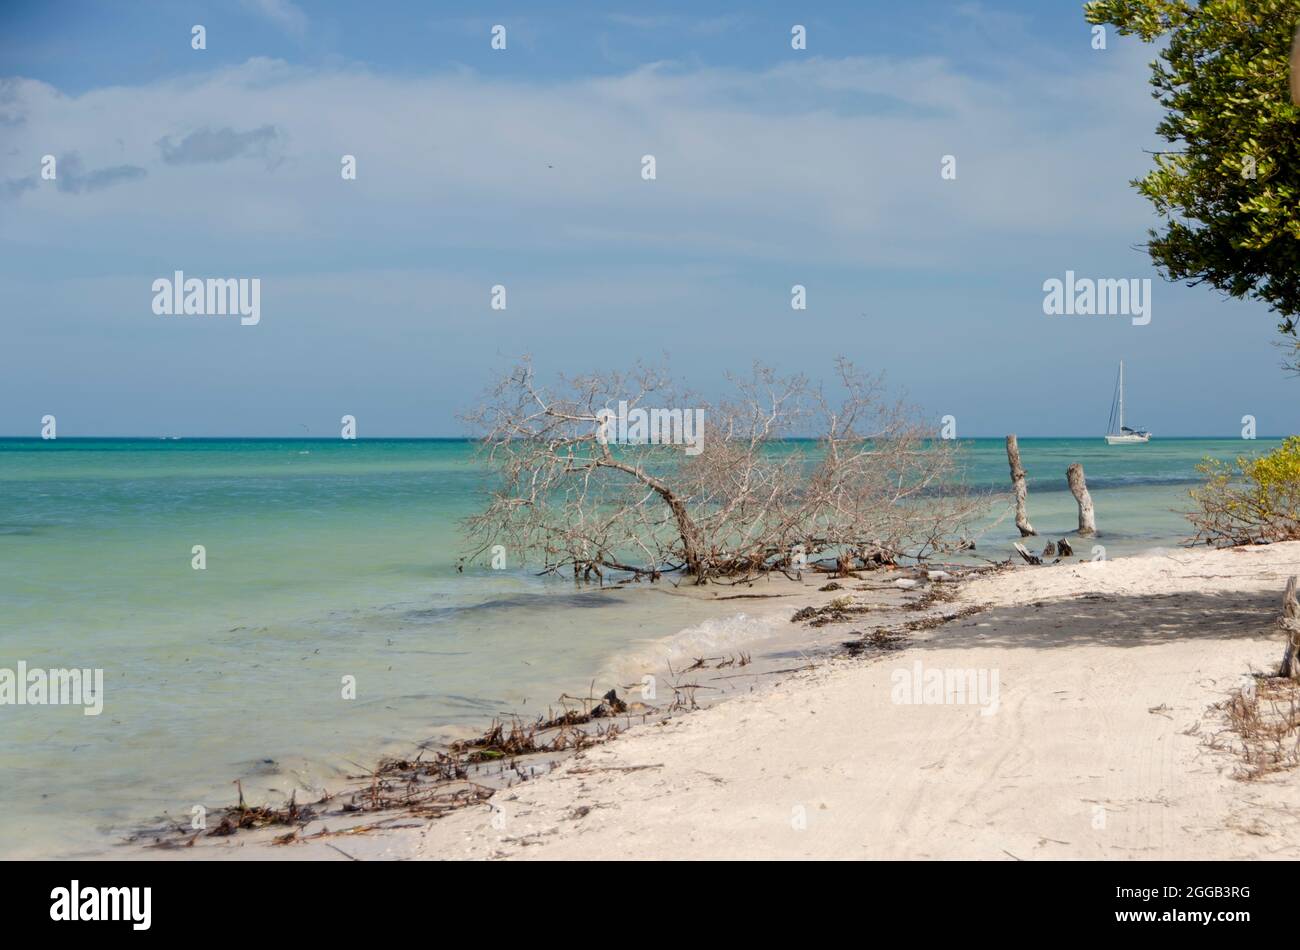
329,623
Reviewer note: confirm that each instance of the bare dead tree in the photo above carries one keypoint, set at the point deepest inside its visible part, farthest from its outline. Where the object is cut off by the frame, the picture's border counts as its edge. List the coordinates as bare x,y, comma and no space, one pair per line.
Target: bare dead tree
1018,487
780,472
1079,488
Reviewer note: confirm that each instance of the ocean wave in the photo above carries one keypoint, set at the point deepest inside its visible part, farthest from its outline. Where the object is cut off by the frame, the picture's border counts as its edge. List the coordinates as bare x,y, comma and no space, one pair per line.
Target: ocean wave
508,603
714,637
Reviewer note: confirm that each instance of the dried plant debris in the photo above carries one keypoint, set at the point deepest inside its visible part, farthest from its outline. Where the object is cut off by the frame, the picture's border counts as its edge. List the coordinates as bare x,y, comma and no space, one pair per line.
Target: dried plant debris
719,662
935,595
938,620
243,816
896,637
1261,725
839,610
878,641
684,692
435,782
942,586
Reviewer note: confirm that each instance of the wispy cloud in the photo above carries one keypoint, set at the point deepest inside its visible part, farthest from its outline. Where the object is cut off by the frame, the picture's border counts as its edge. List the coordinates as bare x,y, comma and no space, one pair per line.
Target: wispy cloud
818,171
71,178
821,160
16,186
217,145
283,13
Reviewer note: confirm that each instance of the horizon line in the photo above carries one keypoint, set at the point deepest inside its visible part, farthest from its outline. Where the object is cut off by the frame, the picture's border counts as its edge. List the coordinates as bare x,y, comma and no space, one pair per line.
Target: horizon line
470,438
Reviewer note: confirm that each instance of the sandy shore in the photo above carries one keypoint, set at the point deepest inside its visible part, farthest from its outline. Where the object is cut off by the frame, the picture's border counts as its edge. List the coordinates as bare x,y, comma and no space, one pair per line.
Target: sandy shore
1091,740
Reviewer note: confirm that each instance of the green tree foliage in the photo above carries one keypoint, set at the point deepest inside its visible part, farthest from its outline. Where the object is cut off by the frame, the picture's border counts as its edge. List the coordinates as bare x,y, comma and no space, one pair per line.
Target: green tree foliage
1228,190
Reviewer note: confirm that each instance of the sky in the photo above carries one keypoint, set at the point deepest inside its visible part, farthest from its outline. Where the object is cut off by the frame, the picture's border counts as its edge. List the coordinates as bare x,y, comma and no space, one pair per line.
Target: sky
523,167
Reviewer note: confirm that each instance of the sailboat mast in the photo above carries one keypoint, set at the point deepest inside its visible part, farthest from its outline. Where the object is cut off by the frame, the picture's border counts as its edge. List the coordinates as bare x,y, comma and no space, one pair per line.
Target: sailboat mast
1121,395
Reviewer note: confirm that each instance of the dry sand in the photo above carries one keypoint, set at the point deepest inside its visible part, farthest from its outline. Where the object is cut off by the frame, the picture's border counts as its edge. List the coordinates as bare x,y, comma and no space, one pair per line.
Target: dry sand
1098,747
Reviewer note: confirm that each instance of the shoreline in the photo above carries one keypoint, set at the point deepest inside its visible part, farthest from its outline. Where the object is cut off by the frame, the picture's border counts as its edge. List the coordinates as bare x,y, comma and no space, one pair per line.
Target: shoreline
707,662
1103,743
276,603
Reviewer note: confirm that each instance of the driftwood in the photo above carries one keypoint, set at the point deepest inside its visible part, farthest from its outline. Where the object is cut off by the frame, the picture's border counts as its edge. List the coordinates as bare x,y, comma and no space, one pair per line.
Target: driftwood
1024,553
1079,487
1058,550
1018,486
1290,624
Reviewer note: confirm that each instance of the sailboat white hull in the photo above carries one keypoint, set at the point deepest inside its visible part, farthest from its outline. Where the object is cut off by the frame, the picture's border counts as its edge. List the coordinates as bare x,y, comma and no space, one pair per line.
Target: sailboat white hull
1122,434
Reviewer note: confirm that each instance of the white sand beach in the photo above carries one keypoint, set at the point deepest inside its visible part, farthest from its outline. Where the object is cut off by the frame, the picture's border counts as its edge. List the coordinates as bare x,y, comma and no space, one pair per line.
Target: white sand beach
1099,744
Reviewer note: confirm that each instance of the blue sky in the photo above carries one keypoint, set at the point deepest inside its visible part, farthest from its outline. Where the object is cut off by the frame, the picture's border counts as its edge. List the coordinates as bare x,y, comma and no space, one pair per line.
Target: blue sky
522,167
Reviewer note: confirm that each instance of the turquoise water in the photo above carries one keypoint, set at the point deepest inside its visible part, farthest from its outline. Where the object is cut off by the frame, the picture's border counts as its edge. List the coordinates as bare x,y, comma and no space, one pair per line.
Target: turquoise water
329,559
1139,491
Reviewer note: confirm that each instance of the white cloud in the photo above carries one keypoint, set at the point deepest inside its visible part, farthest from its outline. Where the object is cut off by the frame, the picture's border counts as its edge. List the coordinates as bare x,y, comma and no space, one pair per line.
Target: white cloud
825,161
823,172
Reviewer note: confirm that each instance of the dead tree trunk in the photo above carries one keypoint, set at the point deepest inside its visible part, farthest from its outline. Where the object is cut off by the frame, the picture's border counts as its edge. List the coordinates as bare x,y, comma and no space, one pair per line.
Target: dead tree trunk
1290,624
1018,485
692,542
1024,553
1079,487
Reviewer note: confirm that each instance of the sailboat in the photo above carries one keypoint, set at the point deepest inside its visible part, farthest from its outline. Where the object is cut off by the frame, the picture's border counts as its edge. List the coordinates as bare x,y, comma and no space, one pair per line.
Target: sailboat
1122,434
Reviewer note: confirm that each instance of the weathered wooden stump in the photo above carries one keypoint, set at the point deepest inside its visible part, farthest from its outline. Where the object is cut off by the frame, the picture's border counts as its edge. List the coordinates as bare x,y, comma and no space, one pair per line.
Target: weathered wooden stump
1018,485
1024,553
1079,488
1290,624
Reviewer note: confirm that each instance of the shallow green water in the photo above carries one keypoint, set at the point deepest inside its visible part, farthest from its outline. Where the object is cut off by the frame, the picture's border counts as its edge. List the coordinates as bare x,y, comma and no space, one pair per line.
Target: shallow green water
328,559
